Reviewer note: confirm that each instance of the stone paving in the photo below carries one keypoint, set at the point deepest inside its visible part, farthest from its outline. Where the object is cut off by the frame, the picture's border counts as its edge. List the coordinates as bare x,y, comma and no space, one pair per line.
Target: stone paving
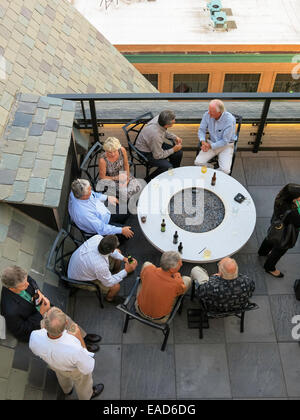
261,363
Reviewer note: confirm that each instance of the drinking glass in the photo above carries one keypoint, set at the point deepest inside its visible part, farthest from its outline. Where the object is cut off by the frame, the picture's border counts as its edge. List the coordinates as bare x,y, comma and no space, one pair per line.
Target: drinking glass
207,254
204,169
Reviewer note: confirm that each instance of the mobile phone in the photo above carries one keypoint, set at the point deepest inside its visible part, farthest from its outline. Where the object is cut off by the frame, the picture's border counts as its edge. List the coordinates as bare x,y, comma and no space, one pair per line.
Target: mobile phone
239,198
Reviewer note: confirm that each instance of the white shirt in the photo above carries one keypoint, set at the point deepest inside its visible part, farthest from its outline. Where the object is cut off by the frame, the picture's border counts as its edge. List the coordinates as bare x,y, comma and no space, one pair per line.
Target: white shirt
87,264
64,353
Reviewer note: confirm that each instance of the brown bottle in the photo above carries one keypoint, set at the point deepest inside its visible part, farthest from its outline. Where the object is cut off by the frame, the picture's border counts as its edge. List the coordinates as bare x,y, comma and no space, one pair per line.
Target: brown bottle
175,238
36,298
180,247
214,179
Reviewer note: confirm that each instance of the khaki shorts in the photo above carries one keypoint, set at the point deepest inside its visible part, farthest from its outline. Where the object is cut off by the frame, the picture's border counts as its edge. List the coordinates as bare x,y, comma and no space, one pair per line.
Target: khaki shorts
114,267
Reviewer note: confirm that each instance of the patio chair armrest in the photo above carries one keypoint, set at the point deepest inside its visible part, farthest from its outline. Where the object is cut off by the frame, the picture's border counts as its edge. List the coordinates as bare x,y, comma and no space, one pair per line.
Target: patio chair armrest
140,154
49,265
131,294
90,152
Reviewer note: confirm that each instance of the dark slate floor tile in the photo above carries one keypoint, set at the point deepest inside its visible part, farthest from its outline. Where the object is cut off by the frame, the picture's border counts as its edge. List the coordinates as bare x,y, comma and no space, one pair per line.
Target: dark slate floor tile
255,370
261,228
184,335
258,324
291,169
202,371
251,246
108,371
22,356
289,264
238,171
250,265
263,171
37,373
264,199
107,322
32,394
42,249
147,372
51,386
16,231
57,296
10,341
290,356
138,332
284,308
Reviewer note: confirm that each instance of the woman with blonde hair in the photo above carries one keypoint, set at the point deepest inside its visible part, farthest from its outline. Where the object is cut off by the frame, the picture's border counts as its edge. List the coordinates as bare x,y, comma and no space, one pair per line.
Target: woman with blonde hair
114,166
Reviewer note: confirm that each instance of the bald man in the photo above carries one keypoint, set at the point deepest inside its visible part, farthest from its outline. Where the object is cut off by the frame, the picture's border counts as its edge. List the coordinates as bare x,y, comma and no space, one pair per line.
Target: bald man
221,127
226,290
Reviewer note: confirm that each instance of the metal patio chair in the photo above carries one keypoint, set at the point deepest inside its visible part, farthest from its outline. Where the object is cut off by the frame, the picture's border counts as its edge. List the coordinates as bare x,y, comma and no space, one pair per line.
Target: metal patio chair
58,261
128,308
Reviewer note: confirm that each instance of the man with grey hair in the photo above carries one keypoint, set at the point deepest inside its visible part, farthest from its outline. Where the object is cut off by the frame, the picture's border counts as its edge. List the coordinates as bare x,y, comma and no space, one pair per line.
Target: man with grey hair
160,287
65,352
220,125
226,290
151,142
88,212
23,306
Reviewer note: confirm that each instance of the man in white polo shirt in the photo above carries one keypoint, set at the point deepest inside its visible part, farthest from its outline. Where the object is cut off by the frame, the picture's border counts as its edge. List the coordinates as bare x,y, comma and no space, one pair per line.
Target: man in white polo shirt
65,352
99,260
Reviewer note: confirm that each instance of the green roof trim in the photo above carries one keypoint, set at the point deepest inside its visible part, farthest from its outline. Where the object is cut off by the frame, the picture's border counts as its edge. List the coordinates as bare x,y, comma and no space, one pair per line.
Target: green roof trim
209,58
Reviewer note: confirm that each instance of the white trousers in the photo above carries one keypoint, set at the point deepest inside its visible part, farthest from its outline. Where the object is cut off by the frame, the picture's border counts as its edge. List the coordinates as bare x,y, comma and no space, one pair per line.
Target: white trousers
224,154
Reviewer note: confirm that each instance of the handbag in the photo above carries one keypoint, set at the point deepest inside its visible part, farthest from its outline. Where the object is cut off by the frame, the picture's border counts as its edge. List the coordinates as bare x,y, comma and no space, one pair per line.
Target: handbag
282,235
297,289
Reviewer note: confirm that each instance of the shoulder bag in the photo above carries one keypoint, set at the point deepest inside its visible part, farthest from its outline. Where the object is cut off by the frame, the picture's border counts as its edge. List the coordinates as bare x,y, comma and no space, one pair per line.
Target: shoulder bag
282,235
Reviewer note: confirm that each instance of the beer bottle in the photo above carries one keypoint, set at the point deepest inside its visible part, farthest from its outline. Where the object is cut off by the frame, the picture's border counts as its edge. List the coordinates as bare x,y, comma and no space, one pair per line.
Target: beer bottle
180,247
175,238
36,298
213,180
163,226
130,259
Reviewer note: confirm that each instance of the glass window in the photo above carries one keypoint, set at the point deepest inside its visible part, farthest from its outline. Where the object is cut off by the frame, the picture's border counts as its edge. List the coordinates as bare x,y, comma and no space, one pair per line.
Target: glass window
153,78
286,83
241,82
183,83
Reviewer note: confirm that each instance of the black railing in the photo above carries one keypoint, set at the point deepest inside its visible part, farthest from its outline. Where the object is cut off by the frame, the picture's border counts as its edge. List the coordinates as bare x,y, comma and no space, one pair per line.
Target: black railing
92,121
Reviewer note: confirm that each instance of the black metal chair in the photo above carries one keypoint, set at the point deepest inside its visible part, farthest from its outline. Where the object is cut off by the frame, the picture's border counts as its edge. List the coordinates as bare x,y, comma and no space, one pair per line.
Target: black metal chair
128,308
76,233
90,164
214,160
132,130
58,261
197,318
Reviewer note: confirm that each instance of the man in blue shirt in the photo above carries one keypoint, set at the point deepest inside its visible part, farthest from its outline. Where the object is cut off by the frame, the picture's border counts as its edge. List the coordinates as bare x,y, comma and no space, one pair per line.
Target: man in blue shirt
88,212
221,127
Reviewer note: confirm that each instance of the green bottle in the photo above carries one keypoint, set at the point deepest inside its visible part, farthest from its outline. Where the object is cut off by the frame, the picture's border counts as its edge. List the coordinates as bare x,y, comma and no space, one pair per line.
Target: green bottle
163,226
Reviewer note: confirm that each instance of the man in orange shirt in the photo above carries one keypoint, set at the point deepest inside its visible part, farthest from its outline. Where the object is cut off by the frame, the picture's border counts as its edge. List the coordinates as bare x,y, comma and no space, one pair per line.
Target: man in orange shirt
160,287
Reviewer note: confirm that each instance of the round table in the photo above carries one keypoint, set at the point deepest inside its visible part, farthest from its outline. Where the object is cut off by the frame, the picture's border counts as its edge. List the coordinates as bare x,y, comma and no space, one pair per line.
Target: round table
225,240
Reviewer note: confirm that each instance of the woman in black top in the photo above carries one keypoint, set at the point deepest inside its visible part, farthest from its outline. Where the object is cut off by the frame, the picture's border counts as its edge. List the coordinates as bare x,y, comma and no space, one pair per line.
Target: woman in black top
286,200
